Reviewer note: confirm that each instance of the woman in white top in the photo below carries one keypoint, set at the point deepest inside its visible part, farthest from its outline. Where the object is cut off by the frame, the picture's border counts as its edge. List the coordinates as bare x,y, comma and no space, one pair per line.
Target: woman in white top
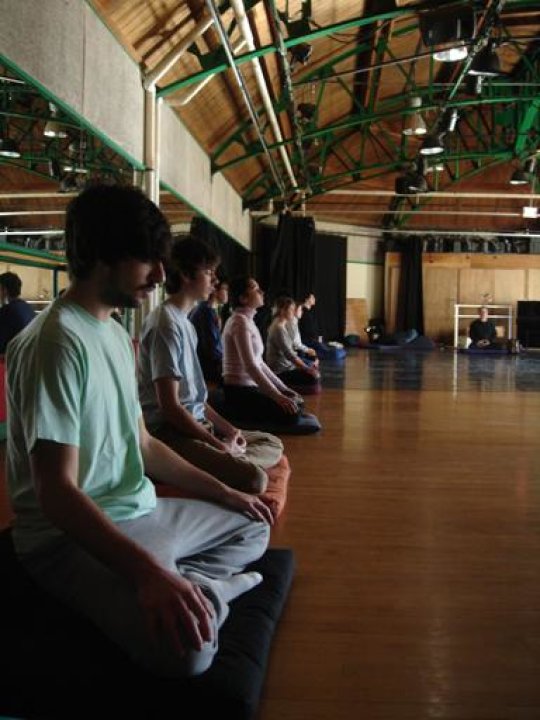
252,391
280,352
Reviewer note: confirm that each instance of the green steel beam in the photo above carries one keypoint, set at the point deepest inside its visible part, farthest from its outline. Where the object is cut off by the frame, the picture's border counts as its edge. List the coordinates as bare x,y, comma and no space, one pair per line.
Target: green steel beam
291,42
32,252
526,124
359,120
316,34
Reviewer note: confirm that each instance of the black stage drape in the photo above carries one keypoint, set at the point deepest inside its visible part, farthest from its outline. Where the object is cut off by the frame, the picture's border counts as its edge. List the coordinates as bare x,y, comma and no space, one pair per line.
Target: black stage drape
410,310
330,286
234,257
295,260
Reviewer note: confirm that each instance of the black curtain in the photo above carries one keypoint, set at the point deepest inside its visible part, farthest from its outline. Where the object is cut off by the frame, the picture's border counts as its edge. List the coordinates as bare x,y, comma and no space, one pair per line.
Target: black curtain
410,310
296,260
292,265
234,257
330,286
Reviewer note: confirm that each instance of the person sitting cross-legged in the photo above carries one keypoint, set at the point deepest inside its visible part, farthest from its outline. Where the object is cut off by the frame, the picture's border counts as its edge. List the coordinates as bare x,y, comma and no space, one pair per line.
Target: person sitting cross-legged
172,389
280,353
155,575
253,392
482,332
308,355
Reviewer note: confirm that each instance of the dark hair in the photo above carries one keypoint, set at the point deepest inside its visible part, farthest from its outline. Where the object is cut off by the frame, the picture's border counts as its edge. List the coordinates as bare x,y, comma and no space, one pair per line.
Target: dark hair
187,256
282,303
110,223
238,287
306,295
11,283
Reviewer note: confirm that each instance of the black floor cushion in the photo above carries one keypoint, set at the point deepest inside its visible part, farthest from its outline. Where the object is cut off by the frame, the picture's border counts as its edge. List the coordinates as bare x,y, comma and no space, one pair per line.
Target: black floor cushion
55,664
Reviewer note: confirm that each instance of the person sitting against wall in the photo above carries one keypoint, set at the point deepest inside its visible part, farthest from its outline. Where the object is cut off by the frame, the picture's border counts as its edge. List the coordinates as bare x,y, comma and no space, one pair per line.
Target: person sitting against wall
207,322
280,353
252,391
482,331
15,313
172,390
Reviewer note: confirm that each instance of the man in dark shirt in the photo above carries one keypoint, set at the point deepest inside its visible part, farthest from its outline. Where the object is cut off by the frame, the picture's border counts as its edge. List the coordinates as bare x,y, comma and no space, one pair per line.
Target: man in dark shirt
15,314
482,331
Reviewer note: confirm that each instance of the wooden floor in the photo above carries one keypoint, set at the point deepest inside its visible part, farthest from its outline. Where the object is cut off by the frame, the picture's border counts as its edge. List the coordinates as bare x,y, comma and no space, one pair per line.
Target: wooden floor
415,519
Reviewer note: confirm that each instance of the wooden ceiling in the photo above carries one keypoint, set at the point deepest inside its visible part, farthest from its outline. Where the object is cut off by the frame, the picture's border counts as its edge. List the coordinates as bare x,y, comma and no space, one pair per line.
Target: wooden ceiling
366,61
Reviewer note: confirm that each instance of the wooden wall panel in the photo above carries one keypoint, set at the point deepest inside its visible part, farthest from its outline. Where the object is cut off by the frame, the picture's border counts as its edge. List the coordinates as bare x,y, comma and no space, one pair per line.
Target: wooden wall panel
450,278
440,293
533,285
475,286
356,317
509,286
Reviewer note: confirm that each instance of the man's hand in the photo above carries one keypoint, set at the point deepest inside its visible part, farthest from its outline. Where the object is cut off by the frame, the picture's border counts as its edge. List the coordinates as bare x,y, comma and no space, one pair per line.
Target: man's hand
175,609
311,352
260,507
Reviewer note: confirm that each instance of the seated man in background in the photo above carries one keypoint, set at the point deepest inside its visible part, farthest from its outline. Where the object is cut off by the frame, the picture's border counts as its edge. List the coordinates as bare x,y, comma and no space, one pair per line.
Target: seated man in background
15,314
155,575
172,388
482,332
207,322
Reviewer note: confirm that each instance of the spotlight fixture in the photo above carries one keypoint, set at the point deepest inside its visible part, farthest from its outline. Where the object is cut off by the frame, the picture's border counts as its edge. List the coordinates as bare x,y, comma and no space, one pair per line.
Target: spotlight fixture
446,31
522,175
432,145
414,123
519,177
417,183
301,53
53,128
486,63
451,54
9,148
450,119
306,111
530,212
435,168
77,169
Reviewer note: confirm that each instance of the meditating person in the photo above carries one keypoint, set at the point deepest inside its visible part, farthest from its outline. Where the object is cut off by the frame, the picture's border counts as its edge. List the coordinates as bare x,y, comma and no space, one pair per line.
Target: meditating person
281,356
206,319
308,324
309,355
482,331
252,391
15,313
154,575
172,389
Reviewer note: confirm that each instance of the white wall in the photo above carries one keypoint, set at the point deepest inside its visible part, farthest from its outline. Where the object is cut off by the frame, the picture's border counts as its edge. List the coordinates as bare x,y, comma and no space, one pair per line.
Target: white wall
62,46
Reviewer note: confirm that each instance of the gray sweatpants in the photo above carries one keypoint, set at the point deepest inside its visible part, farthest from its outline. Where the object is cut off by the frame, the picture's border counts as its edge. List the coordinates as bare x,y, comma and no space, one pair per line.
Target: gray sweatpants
183,536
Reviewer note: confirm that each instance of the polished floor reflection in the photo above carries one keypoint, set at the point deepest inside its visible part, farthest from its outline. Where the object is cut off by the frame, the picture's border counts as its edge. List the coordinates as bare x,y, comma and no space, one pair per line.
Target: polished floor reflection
436,370
415,517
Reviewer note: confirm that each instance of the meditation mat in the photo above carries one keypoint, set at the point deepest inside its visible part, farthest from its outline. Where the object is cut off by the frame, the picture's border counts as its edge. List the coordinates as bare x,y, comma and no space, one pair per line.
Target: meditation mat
55,664
488,351
278,482
307,423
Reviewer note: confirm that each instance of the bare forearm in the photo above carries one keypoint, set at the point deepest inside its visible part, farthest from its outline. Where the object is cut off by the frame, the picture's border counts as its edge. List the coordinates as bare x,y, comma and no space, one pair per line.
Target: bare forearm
164,465
185,423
